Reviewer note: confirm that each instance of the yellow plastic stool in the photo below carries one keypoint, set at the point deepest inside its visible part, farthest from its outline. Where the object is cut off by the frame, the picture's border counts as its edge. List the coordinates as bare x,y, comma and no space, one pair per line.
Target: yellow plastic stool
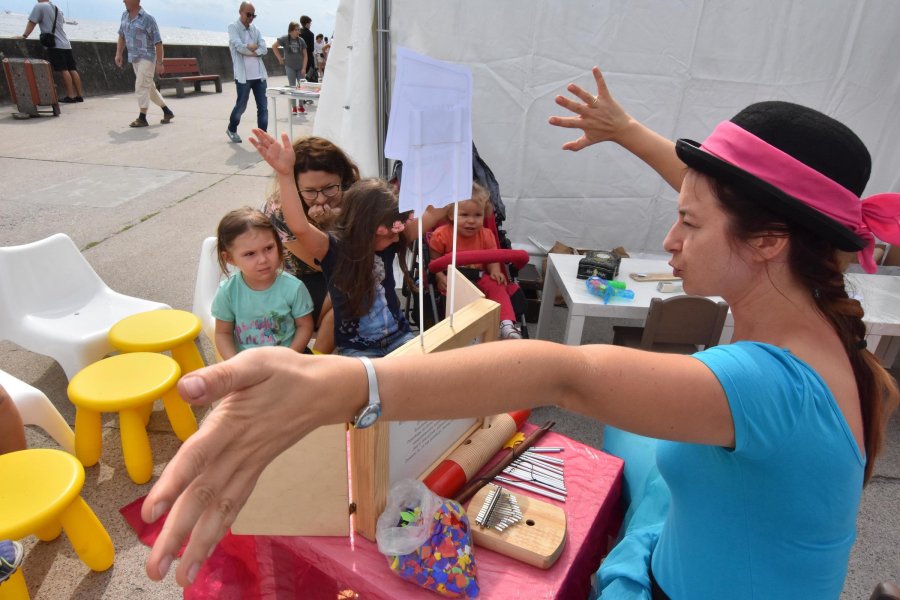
14,588
158,331
40,495
127,384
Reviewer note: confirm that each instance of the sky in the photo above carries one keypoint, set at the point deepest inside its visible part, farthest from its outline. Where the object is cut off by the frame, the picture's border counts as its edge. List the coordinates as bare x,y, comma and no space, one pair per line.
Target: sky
272,20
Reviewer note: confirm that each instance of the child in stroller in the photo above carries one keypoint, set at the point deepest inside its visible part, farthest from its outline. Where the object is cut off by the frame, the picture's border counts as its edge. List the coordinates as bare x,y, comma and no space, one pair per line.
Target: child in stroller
472,235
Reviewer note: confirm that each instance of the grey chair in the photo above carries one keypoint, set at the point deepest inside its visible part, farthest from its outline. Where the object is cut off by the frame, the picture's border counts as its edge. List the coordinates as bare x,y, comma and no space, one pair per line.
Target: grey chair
678,325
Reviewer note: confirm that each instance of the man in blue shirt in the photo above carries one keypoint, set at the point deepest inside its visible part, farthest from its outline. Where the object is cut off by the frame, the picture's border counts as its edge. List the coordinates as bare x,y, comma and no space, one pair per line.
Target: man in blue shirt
140,34
247,49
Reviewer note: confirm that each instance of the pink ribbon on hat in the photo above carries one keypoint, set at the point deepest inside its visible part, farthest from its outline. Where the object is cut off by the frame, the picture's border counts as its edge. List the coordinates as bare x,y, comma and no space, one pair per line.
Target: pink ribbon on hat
877,215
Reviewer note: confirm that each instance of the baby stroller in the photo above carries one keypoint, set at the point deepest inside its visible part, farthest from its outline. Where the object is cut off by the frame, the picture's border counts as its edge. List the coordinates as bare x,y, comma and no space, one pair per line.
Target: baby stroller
510,260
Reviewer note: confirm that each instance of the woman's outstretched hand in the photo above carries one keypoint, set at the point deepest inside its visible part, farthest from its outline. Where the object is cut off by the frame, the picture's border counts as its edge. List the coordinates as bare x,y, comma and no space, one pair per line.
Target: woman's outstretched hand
280,156
210,478
599,117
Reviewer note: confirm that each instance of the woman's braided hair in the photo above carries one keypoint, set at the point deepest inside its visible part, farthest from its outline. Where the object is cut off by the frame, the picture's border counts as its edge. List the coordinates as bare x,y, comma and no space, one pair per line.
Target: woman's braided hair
819,265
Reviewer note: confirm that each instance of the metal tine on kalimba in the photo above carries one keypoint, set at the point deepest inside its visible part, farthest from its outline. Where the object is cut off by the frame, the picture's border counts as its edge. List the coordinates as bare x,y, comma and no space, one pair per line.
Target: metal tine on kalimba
499,511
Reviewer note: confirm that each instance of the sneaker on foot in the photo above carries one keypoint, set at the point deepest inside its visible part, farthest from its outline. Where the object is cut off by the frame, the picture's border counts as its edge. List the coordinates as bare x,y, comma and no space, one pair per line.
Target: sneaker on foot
167,116
139,123
68,100
11,554
79,99
233,136
300,109
509,330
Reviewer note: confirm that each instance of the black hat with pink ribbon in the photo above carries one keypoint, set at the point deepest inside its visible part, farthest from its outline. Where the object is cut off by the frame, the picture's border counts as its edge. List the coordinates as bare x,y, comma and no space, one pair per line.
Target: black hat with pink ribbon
805,166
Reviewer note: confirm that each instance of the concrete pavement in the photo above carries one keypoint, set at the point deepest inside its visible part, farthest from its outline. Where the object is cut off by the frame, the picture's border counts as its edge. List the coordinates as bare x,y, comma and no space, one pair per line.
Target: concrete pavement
138,202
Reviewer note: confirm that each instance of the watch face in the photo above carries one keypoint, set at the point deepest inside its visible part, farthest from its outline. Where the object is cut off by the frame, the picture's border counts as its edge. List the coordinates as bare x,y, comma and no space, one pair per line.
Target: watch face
367,416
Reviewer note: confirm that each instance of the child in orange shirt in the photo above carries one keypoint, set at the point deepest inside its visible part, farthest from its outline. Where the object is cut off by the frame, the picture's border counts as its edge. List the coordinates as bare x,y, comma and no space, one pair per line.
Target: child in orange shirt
471,235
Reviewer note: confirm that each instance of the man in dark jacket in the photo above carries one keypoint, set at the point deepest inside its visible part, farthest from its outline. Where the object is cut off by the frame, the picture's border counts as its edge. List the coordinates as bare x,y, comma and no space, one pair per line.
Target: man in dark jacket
312,73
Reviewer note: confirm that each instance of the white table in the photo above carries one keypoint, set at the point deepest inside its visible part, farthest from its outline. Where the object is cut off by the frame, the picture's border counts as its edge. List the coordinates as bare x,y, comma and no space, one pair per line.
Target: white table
288,92
880,297
561,275
879,294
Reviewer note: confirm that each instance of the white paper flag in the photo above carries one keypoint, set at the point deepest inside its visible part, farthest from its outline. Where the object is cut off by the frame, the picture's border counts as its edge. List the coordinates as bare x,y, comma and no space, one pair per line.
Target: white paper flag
430,130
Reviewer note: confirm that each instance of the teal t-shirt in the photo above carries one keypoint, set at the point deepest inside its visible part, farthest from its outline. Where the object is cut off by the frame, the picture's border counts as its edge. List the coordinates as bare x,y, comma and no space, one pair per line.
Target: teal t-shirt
265,317
775,517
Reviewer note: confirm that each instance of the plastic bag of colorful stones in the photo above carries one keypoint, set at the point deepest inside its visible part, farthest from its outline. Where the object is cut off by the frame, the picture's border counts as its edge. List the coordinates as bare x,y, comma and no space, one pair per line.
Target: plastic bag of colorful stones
427,540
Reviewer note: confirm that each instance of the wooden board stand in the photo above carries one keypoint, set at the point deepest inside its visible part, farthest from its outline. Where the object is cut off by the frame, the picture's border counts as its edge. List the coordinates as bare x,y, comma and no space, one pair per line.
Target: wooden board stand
298,496
538,539
476,322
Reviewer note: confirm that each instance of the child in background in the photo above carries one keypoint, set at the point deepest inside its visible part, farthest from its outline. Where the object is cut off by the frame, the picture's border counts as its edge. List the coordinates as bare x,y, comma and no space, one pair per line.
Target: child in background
293,59
260,305
356,257
471,235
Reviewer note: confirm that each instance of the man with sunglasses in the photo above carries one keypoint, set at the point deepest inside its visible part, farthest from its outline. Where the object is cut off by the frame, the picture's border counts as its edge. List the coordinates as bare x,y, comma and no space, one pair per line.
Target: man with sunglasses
247,49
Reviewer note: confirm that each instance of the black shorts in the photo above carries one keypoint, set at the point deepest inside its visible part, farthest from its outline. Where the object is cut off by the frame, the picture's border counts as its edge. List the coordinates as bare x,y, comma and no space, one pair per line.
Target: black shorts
318,289
62,59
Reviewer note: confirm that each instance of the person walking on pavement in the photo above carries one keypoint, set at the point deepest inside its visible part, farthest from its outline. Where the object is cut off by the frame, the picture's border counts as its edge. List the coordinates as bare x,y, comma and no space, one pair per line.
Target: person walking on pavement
309,38
247,49
45,15
140,34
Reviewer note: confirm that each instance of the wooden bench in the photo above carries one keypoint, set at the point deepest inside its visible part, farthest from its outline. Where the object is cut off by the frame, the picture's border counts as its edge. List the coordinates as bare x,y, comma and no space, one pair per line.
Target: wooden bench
179,71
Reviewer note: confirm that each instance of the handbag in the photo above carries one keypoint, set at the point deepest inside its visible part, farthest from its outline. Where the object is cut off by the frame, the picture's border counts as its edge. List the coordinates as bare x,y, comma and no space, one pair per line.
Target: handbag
48,40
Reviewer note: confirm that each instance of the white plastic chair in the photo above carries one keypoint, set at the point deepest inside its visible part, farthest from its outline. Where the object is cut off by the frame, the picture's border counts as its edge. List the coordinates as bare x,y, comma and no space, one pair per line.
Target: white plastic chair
52,302
36,409
209,276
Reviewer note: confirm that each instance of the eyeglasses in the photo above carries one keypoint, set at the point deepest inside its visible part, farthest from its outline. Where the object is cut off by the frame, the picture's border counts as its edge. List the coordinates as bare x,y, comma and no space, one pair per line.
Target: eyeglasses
329,192
250,15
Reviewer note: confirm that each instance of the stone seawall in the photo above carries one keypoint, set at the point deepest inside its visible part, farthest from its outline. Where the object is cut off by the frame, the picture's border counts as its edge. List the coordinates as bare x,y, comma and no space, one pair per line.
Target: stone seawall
100,75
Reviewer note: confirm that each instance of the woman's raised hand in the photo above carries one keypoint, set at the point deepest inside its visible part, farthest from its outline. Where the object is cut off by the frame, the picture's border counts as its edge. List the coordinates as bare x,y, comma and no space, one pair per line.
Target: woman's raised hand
599,117
210,478
280,156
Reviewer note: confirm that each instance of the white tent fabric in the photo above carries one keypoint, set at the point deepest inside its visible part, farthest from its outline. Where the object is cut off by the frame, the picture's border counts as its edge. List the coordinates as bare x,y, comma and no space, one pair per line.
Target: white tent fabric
346,111
680,67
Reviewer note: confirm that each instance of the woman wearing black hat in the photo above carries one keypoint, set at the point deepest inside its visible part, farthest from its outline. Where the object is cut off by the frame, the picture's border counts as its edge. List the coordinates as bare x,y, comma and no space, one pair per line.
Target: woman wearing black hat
765,457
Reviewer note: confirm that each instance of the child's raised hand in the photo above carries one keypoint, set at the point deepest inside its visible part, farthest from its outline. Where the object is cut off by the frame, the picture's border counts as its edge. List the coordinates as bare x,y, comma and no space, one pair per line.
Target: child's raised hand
280,156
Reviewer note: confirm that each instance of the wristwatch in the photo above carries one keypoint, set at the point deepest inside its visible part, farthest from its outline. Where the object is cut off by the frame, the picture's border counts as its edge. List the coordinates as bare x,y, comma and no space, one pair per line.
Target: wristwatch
369,413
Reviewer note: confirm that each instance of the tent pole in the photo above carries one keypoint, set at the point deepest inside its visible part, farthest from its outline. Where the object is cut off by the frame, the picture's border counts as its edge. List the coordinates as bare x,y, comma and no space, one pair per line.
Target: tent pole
383,83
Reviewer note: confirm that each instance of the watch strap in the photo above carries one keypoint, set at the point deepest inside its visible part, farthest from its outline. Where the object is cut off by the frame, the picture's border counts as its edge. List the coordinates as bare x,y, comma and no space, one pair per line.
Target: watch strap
374,397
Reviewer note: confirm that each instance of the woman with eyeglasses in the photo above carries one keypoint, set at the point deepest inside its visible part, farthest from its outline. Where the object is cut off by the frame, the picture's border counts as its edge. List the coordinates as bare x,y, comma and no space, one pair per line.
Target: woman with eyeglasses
321,172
